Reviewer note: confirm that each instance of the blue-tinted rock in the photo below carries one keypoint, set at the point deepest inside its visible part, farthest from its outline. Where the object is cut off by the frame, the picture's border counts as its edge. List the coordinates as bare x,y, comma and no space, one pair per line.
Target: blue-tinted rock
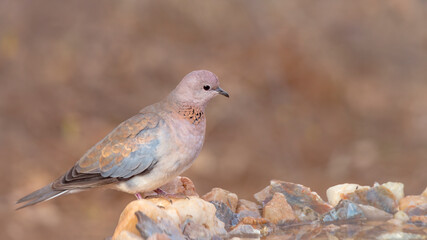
244,231
300,198
148,227
224,213
345,210
378,196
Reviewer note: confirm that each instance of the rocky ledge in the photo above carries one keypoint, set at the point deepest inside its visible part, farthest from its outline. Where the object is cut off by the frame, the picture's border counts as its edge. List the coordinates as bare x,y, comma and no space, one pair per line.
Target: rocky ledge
282,210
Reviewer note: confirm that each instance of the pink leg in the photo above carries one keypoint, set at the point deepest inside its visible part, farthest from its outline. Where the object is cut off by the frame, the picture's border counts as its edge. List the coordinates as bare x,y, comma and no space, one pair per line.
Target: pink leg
138,196
160,192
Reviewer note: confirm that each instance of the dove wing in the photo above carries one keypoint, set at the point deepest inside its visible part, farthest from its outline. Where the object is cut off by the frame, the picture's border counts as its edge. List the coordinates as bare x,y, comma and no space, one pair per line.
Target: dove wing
129,150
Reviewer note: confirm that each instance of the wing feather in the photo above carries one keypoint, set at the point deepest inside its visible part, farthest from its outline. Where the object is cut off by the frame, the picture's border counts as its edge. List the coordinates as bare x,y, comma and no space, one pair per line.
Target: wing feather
129,150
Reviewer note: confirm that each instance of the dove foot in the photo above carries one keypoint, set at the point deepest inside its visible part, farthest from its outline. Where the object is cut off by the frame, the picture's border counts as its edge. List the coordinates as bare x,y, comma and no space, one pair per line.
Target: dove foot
167,196
162,193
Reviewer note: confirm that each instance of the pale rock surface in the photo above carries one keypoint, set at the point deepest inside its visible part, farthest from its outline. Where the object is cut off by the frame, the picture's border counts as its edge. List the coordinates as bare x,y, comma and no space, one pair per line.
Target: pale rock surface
244,231
422,220
128,219
125,235
402,216
414,205
246,205
305,214
199,211
247,208
264,194
195,230
177,213
147,227
336,193
399,235
224,196
411,201
375,214
396,188
424,193
377,196
299,197
278,210
159,236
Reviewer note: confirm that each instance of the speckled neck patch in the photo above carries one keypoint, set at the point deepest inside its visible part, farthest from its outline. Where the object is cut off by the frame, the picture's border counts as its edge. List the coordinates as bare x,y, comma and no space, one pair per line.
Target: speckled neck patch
192,114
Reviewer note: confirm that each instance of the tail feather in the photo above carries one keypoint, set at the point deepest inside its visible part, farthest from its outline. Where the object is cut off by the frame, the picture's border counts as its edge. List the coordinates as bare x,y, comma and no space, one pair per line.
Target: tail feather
43,194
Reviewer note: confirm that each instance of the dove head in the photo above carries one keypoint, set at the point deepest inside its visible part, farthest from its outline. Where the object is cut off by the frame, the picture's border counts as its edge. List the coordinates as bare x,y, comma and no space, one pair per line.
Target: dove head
197,88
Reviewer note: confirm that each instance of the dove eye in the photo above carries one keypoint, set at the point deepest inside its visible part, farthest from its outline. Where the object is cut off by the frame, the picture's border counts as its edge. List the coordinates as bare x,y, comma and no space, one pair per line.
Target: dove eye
206,87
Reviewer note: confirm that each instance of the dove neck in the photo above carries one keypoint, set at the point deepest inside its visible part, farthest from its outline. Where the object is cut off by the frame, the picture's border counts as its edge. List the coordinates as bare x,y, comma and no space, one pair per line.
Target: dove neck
179,104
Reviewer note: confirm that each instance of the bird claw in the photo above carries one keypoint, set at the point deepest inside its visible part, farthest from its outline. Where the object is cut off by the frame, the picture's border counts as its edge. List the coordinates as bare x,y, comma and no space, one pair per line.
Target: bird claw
168,196
163,194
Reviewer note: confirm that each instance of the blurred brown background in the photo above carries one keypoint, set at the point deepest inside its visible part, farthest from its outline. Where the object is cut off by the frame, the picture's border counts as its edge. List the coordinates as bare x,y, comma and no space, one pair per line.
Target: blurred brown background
322,93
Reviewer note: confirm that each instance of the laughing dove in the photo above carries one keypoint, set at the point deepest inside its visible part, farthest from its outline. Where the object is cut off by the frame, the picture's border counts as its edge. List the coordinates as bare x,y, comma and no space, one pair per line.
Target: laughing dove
147,150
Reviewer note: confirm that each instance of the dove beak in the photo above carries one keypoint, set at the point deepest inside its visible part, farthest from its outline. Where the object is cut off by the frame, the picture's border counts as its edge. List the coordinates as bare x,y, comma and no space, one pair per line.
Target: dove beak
222,92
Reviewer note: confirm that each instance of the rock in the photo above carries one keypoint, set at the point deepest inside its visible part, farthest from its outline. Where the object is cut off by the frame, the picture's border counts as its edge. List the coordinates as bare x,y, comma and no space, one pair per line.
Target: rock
180,186
247,208
395,221
253,221
244,231
125,235
245,205
128,219
284,211
277,210
400,236
336,193
331,228
424,193
199,211
378,196
224,213
147,227
168,216
419,210
414,205
402,216
345,210
375,214
224,196
159,236
306,214
299,197
419,220
247,213
264,194
396,188
195,230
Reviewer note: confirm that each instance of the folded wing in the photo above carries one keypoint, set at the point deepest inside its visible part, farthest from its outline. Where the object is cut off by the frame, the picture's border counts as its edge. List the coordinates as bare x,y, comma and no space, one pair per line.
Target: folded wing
129,150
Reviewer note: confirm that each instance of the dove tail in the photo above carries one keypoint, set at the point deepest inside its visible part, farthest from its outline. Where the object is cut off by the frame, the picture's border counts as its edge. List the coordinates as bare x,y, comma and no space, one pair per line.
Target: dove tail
43,194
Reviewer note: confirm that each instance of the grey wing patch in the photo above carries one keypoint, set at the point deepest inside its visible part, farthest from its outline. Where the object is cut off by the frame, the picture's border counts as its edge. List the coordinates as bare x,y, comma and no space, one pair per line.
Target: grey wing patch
130,149
139,160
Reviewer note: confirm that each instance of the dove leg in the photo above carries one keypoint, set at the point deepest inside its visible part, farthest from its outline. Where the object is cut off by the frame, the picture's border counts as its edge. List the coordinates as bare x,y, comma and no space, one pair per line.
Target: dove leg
160,192
138,196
